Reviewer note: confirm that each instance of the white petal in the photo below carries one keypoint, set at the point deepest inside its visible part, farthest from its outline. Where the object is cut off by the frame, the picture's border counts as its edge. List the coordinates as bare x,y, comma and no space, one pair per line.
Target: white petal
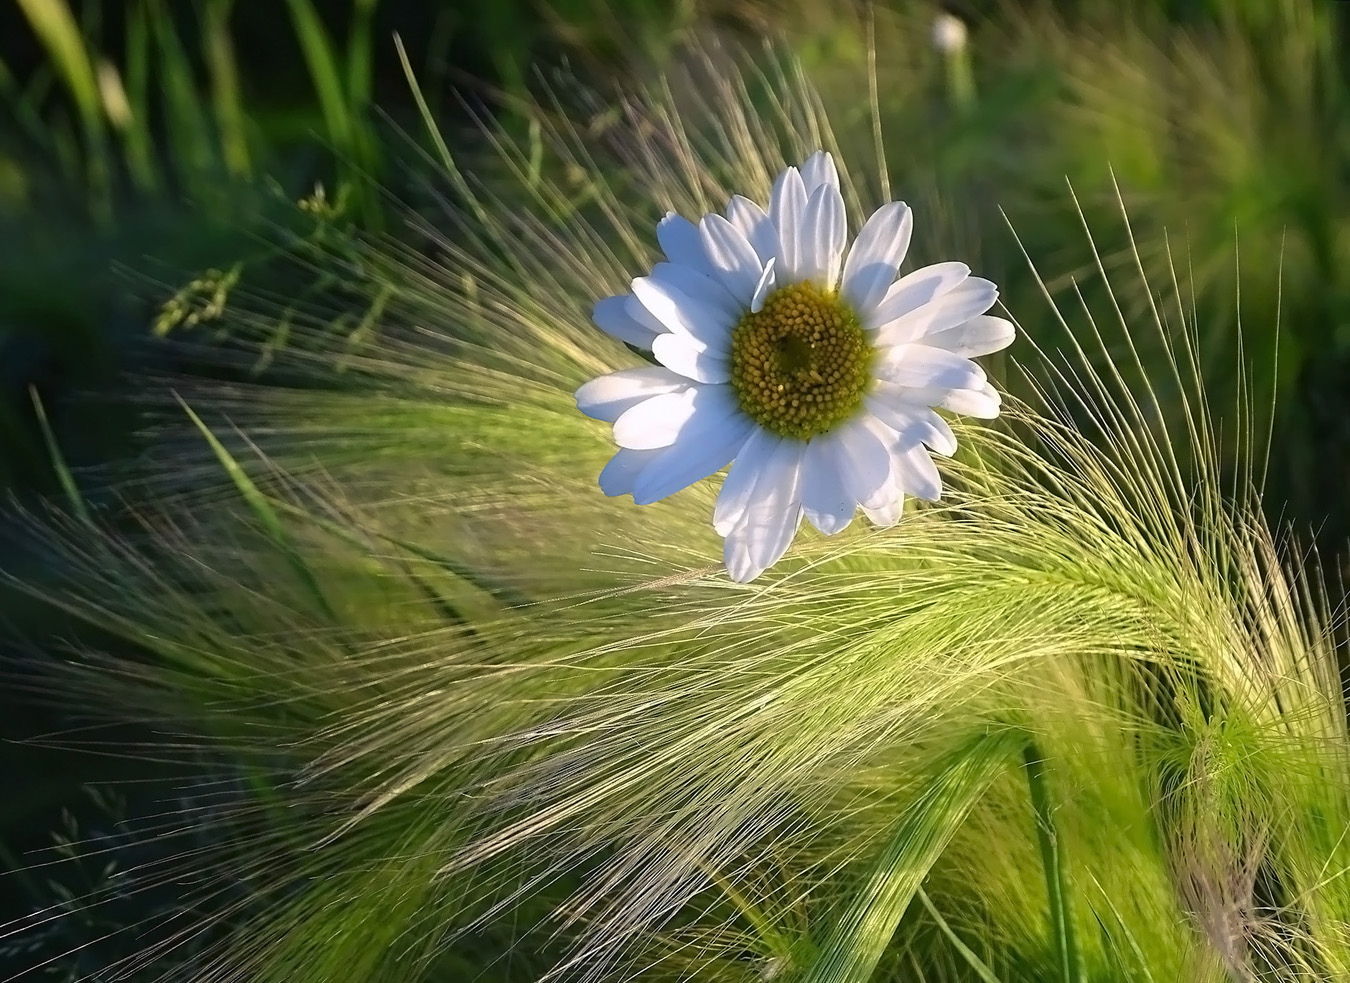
682,354
612,317
980,335
929,368
733,259
940,438
825,503
707,287
734,498
610,396
683,314
889,514
913,290
692,458
787,205
822,233
767,281
907,475
876,256
914,421
655,422
890,405
665,420
755,225
679,240
970,297
819,169
623,469
982,403
864,463
635,309
916,473
765,531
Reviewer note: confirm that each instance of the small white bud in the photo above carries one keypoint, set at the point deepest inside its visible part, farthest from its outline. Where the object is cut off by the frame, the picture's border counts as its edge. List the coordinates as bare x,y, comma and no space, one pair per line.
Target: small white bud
949,33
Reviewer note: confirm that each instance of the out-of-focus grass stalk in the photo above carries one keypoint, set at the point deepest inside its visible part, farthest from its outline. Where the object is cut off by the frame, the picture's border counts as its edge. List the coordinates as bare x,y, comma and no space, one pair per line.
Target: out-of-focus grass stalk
360,55
59,33
138,135
342,87
186,119
226,97
325,75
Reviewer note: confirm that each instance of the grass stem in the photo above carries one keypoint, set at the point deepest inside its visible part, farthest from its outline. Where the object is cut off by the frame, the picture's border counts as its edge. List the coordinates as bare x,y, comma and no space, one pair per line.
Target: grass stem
1052,862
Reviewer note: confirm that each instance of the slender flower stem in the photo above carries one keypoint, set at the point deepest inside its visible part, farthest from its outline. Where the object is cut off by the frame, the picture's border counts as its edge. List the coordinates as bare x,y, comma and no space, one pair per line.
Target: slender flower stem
1052,861
960,80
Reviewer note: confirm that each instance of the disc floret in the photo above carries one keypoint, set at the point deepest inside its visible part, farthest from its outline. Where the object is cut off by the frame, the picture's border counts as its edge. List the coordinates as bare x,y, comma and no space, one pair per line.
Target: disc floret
801,364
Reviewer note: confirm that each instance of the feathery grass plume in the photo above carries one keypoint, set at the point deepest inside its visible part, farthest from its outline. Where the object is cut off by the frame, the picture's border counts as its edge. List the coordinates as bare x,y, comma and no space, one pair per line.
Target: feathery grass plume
465,717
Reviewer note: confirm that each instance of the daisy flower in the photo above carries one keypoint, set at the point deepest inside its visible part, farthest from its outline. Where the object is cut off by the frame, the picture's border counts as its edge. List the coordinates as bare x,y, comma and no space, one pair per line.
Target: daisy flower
801,361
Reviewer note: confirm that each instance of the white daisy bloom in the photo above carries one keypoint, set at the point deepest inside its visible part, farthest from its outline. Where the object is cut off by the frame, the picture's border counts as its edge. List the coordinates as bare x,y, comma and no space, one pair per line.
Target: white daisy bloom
803,362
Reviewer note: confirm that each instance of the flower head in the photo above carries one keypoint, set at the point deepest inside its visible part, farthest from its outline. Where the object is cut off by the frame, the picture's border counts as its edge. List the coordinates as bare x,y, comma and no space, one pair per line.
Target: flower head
802,361
949,33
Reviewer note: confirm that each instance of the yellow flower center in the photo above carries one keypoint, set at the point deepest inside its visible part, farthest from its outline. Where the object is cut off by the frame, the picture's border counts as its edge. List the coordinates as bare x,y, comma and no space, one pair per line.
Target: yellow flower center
801,365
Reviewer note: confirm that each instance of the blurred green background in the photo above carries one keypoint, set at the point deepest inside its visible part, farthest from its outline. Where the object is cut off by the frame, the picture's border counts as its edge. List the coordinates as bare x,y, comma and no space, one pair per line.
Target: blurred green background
146,145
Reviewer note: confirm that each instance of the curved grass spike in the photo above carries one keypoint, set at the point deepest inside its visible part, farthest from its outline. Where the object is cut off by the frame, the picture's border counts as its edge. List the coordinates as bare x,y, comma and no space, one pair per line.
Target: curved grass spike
854,947
851,953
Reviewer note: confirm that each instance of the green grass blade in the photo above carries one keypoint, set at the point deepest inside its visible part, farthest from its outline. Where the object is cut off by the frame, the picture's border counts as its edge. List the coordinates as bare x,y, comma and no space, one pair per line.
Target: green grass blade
774,939
322,62
343,109
138,139
57,29
851,952
249,491
447,159
976,964
226,95
59,33
262,510
505,594
360,59
1122,928
63,473
186,118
